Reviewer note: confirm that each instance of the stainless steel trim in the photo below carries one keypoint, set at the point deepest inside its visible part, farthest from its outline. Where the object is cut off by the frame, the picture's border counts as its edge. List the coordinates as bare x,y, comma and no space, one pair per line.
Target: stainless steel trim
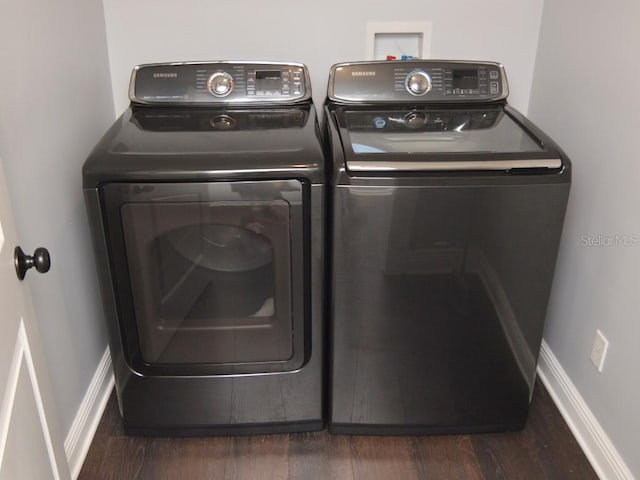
132,83
307,79
406,166
332,72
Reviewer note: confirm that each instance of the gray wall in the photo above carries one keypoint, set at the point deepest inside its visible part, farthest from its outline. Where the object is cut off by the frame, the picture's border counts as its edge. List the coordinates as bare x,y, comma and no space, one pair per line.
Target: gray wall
586,96
317,33
55,103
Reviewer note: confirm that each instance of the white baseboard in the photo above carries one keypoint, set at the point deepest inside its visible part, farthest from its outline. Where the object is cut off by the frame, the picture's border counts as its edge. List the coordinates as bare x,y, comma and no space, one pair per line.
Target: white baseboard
88,416
595,443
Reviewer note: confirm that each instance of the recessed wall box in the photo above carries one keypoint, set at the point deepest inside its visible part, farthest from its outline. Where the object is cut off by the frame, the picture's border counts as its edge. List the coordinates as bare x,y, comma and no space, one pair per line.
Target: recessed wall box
409,39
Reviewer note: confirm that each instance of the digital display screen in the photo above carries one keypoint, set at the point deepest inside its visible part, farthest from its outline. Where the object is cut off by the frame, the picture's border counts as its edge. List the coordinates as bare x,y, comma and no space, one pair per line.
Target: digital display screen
465,79
268,75
269,81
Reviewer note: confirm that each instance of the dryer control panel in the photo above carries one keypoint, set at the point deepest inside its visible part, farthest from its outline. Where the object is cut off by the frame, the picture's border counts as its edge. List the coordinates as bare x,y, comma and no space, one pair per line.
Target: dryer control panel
417,81
211,83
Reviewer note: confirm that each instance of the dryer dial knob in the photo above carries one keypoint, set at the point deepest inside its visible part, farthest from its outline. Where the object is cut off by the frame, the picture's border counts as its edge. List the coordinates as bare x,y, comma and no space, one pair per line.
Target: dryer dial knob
418,82
223,122
220,84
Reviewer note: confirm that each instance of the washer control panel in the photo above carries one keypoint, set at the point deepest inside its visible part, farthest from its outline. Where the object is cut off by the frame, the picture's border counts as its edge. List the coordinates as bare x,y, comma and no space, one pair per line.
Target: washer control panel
220,83
417,81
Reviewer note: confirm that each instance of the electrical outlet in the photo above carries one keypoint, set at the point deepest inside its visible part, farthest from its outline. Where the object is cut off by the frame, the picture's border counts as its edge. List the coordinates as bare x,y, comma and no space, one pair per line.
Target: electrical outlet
599,350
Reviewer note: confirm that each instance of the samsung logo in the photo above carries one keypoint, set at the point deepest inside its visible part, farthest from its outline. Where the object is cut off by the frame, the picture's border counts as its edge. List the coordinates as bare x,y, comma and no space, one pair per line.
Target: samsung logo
363,74
165,75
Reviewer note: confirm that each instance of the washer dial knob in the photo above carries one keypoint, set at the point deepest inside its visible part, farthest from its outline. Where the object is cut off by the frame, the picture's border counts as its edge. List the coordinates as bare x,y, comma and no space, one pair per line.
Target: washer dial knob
415,119
418,82
220,84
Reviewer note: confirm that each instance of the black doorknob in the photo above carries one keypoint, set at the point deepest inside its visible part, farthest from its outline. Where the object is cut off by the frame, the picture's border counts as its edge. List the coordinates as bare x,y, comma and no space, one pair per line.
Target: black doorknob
40,259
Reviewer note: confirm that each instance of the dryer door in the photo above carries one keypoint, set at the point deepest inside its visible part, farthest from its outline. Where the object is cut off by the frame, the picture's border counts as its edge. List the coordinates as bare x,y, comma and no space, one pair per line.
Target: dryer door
209,276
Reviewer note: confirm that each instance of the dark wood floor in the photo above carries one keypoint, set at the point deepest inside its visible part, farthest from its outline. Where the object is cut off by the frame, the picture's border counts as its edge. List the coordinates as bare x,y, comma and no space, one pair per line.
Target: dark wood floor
545,449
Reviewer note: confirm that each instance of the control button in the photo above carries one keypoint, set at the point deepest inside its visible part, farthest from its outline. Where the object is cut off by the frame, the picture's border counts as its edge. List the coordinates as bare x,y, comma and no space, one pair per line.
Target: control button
379,122
494,87
493,74
297,75
297,88
417,82
220,84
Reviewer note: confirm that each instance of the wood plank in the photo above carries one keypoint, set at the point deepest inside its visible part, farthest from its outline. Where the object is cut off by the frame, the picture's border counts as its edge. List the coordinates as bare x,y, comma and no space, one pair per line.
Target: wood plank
383,458
450,457
319,455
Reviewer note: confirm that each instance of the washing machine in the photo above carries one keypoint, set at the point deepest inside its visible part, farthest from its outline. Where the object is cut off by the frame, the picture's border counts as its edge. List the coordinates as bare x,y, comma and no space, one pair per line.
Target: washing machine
447,207
205,202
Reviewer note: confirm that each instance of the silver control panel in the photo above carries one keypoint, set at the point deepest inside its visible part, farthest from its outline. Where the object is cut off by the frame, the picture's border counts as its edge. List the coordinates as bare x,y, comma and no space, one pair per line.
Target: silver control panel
417,81
210,83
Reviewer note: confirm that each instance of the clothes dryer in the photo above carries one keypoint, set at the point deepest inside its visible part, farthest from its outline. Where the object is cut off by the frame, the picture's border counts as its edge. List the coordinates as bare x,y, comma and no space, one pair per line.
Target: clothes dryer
205,202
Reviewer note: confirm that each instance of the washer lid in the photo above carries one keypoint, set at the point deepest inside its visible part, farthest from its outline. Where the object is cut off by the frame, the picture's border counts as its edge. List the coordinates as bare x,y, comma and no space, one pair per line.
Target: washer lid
480,138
